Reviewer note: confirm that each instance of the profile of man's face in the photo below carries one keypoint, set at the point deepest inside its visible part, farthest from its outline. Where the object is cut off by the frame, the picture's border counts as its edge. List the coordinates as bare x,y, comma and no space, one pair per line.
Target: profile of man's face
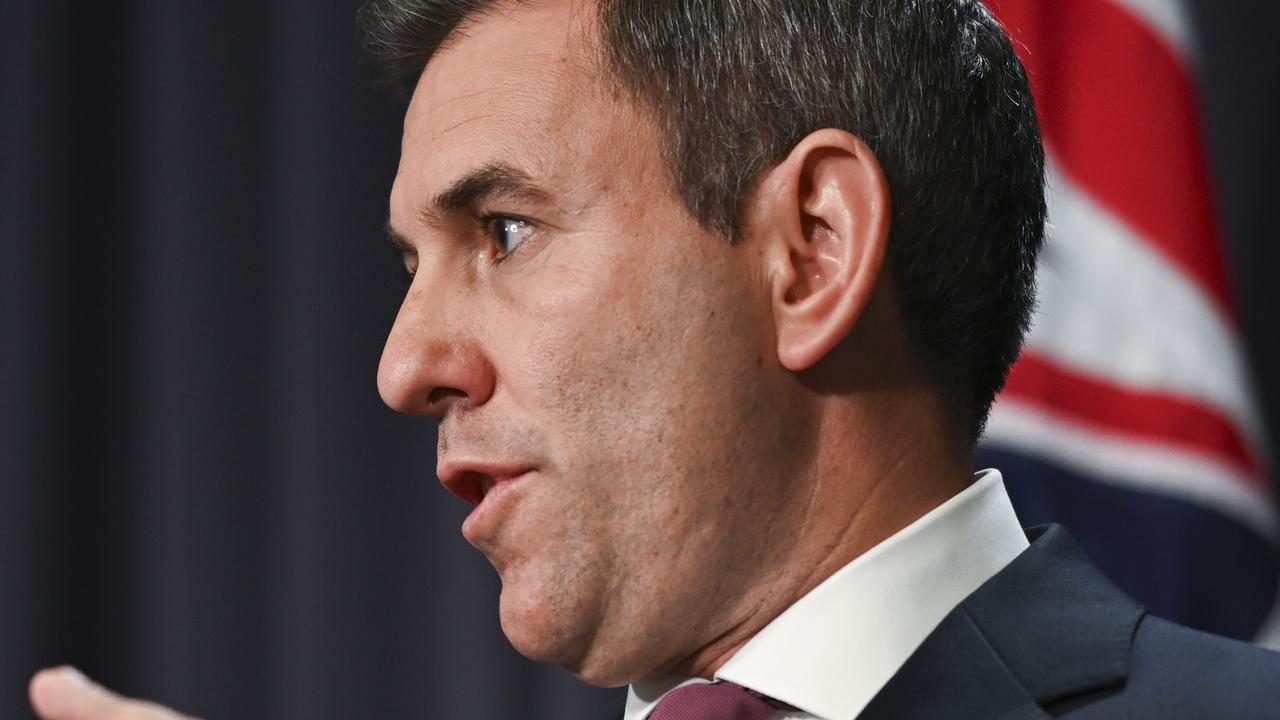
577,330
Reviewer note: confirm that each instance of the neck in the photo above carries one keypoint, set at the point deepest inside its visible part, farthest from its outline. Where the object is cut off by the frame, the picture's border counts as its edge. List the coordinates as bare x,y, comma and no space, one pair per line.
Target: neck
882,465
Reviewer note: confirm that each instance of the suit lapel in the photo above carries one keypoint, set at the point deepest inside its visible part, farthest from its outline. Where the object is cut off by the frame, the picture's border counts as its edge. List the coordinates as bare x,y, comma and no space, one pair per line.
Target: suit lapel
954,674
1048,627
1059,624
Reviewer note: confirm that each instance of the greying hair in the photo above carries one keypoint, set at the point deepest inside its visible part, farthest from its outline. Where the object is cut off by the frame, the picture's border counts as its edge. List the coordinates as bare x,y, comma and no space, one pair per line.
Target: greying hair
933,87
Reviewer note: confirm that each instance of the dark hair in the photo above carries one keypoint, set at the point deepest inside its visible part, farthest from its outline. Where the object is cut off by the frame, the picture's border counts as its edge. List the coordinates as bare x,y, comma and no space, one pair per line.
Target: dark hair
933,87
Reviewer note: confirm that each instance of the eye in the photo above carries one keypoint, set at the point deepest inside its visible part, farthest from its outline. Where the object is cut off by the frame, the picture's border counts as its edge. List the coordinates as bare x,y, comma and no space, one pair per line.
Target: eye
508,233
410,267
408,262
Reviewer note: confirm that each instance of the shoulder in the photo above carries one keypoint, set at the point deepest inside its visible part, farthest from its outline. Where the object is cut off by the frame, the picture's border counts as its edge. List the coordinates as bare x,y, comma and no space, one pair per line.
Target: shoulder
1169,654
1177,672
1083,649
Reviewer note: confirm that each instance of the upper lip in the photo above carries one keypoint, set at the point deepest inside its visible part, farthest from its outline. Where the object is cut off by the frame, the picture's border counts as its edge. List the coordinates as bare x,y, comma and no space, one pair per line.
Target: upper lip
471,479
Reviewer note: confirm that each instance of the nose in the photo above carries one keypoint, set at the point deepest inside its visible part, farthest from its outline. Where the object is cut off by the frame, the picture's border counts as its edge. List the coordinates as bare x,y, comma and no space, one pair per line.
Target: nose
432,363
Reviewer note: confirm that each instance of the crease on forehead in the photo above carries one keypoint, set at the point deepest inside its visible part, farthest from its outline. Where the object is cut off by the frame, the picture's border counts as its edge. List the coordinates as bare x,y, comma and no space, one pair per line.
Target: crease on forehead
512,54
462,86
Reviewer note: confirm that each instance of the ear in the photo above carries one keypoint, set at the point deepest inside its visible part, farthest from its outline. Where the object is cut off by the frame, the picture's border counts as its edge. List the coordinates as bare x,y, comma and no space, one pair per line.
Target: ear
825,212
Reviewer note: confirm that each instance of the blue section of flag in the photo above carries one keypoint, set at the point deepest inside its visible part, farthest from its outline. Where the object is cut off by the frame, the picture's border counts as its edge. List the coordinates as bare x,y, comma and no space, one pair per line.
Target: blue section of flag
1183,561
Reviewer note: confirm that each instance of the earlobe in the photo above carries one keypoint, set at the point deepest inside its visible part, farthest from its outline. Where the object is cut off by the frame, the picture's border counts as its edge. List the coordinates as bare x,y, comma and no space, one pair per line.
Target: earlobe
830,212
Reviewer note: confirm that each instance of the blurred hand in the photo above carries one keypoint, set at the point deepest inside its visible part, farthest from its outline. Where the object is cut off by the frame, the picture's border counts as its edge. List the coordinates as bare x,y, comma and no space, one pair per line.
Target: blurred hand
63,693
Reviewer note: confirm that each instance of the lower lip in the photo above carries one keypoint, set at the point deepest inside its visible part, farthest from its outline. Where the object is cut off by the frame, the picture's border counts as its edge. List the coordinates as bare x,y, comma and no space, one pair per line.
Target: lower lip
487,515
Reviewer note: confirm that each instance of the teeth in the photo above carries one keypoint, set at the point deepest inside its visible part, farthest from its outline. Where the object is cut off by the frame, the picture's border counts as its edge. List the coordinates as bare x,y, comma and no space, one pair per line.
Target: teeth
486,484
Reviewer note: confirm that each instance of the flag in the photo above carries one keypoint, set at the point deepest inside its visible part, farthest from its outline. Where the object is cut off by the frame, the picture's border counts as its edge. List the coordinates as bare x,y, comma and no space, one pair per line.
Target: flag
1130,416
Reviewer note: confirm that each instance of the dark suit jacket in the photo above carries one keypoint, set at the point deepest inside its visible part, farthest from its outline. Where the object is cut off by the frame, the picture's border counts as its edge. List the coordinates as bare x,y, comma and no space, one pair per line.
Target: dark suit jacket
1050,636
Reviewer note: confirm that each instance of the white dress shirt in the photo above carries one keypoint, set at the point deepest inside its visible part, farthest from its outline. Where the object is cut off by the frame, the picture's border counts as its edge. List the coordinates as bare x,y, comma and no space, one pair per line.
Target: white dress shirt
830,653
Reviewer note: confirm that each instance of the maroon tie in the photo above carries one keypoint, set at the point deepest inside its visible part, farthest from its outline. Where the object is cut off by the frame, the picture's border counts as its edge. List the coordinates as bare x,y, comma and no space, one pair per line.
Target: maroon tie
713,701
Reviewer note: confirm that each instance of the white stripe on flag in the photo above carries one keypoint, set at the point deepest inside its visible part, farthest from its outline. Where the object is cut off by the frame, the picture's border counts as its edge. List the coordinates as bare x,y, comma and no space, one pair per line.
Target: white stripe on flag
1114,307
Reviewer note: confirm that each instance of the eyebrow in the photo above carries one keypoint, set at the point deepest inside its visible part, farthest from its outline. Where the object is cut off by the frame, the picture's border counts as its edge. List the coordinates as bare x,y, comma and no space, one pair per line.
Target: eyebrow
488,182
485,183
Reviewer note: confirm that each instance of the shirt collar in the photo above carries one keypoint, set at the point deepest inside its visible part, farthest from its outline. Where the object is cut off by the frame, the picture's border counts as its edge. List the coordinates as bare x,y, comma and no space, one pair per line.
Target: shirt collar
831,652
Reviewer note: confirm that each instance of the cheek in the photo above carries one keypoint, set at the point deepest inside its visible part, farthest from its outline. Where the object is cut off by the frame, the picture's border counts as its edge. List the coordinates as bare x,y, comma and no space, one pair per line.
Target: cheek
601,368
619,354
585,334
630,374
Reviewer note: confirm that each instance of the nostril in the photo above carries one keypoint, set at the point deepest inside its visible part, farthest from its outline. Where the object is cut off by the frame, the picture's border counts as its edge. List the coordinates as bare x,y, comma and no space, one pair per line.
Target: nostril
430,377
442,395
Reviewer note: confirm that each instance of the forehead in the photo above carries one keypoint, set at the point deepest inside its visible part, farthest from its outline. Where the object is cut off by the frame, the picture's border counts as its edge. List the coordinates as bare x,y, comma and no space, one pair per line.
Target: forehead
518,84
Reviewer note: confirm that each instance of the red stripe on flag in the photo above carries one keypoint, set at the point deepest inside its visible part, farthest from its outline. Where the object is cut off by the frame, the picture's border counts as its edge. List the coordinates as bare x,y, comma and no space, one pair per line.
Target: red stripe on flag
1118,108
1122,411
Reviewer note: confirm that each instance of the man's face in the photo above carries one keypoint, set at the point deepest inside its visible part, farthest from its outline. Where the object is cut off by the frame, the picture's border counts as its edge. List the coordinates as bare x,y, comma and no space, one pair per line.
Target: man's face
614,373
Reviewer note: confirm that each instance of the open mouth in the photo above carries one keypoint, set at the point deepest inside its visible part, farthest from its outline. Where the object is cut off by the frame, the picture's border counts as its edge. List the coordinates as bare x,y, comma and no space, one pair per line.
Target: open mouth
474,485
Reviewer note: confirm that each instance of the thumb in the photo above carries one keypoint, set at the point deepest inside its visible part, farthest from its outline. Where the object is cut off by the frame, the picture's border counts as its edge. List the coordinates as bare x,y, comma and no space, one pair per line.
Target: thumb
64,693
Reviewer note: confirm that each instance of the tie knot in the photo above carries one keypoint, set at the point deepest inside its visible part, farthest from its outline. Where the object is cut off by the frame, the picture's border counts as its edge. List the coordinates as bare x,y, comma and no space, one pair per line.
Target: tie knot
719,700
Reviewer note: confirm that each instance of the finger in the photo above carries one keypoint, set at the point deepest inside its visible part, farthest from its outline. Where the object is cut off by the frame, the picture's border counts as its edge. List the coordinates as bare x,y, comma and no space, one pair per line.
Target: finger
64,693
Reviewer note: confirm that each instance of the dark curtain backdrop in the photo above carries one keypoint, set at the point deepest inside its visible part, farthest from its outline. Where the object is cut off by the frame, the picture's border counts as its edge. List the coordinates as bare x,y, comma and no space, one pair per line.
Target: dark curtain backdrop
202,499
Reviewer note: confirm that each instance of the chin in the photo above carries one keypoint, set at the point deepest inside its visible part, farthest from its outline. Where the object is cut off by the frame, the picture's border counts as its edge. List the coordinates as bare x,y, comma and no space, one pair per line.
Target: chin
541,630
551,632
